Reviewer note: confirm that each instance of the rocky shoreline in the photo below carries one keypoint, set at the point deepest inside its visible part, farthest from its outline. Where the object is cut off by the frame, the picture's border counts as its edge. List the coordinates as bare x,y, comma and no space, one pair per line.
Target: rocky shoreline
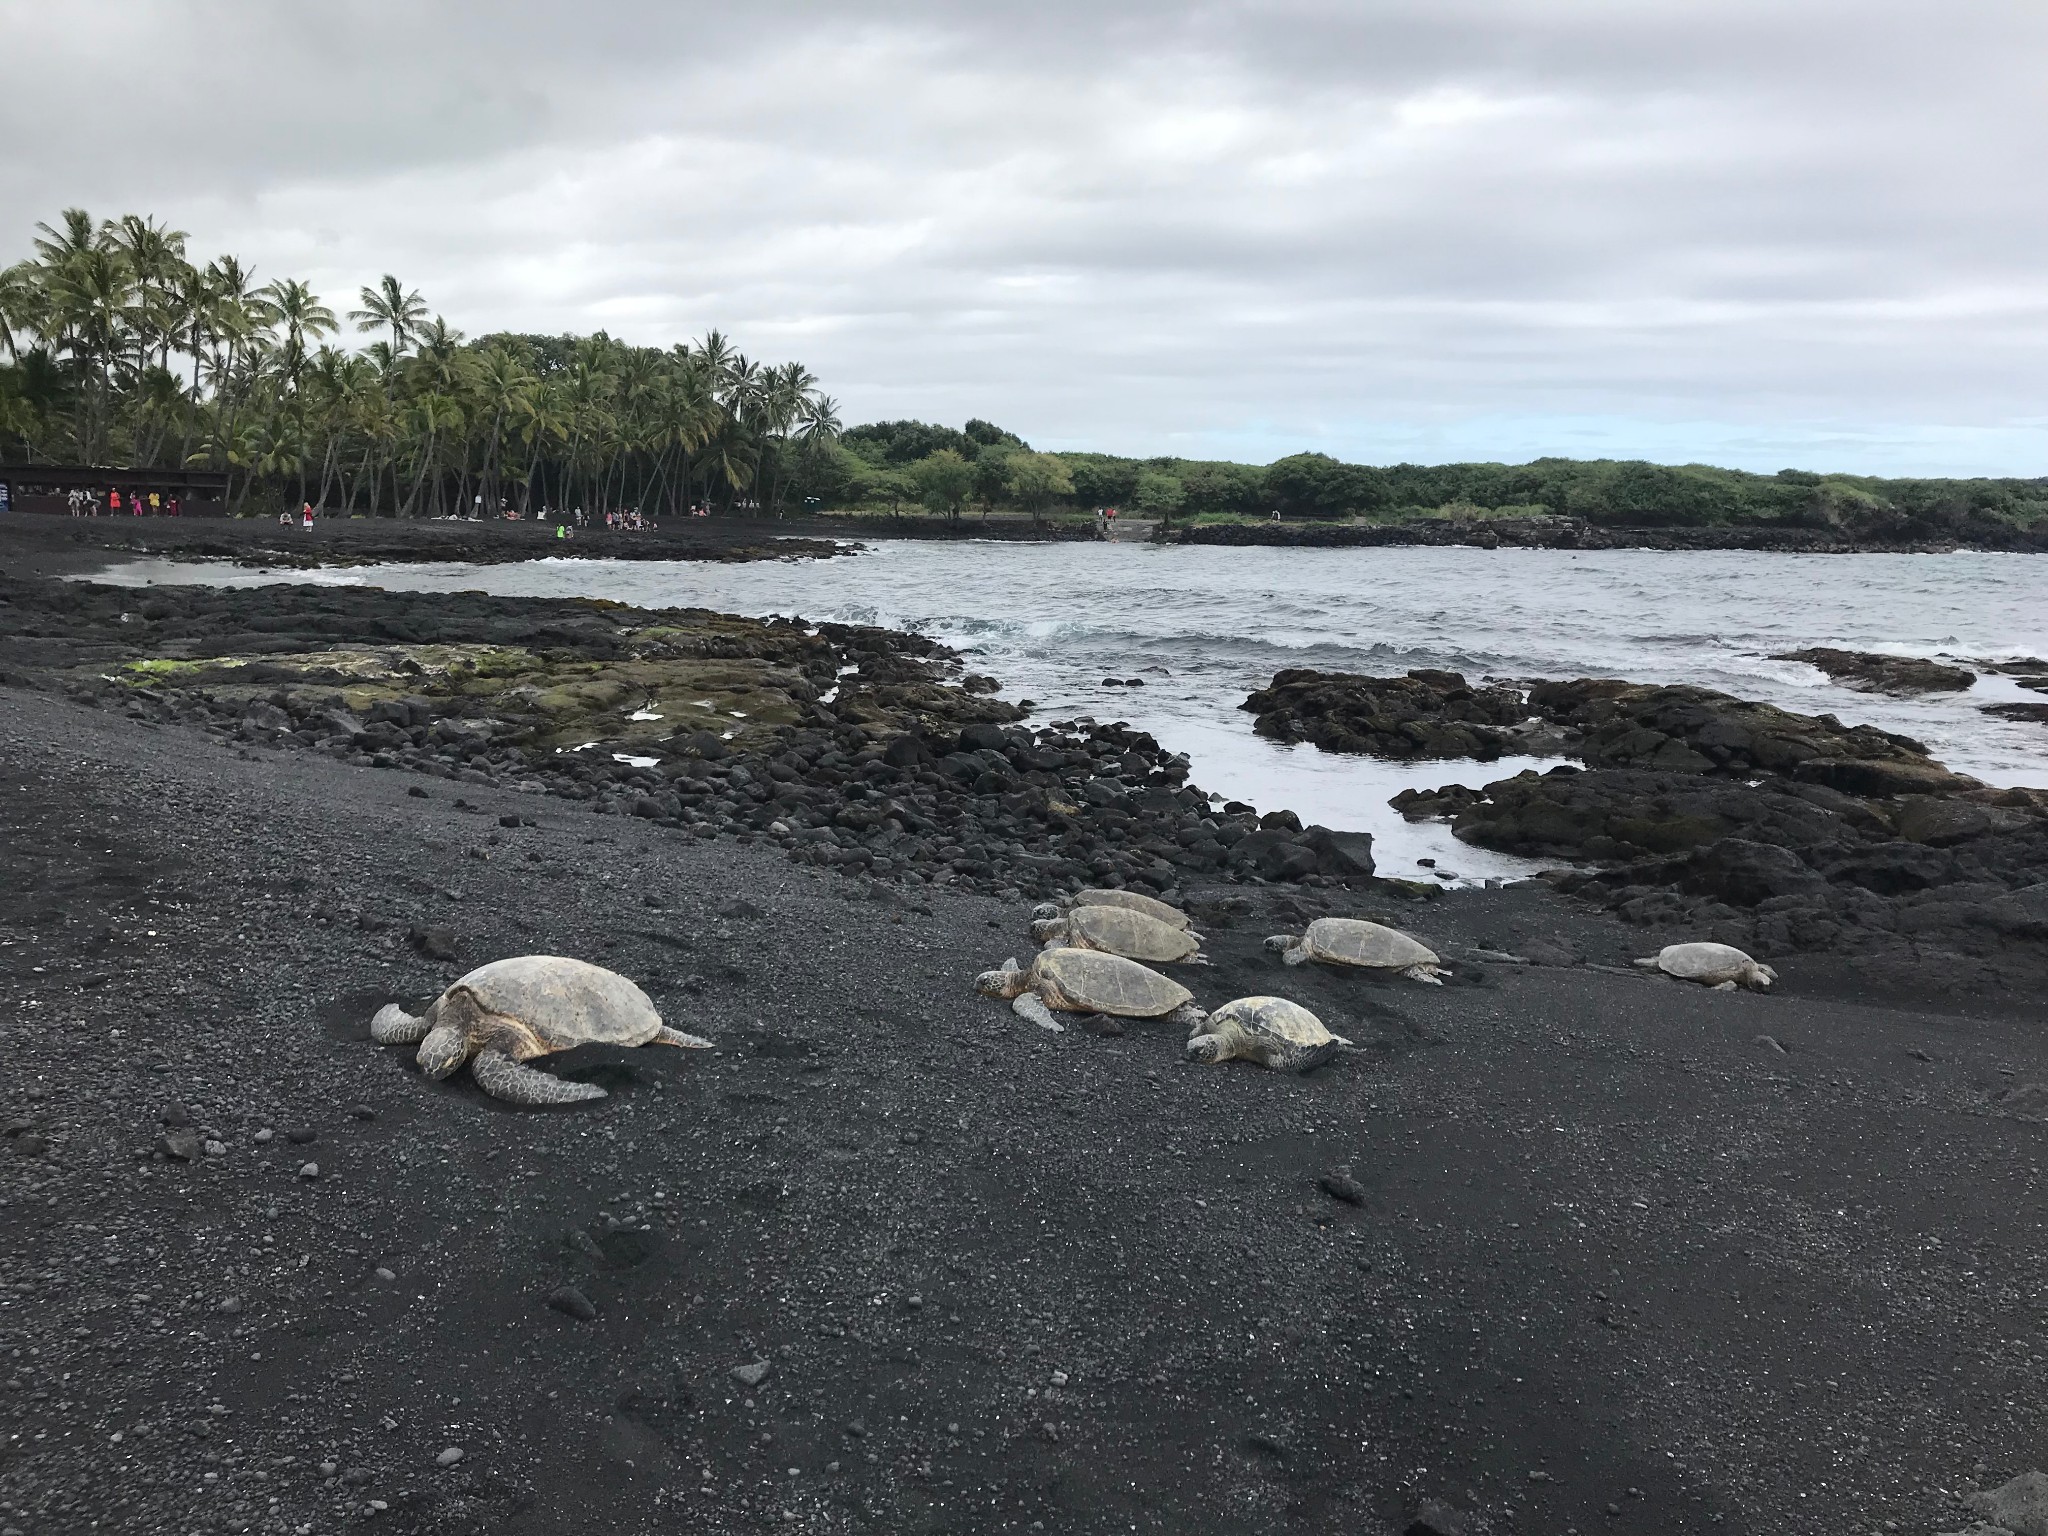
1709,816
1577,533
45,545
866,750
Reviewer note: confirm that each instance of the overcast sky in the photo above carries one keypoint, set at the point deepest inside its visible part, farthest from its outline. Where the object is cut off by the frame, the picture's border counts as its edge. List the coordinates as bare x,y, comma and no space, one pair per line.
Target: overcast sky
1752,232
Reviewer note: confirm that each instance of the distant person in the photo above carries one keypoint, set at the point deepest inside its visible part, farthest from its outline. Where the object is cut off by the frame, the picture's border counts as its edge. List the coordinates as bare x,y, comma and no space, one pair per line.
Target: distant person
171,506
306,516
76,502
114,503
1276,514
155,504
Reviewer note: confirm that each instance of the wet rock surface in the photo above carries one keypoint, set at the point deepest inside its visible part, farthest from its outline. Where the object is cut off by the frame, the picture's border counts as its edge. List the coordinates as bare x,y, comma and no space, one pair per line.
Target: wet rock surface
1426,714
1548,1219
1751,825
1903,675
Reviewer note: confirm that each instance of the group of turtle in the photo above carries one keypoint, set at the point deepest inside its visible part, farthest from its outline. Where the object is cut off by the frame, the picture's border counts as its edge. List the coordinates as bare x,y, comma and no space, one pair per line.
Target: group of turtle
1096,962
1099,947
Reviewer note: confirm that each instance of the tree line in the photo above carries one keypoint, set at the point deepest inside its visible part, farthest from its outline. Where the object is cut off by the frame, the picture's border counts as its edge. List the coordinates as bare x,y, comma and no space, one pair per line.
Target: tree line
910,462
117,348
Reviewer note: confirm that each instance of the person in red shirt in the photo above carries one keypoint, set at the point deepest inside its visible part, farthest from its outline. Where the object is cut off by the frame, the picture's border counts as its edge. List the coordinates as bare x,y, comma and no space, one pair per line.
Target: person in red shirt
113,501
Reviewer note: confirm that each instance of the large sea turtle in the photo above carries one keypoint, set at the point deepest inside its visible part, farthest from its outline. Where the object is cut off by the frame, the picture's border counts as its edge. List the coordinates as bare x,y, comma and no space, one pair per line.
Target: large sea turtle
1353,941
1087,982
1121,931
1130,901
1271,1031
506,1013
1721,966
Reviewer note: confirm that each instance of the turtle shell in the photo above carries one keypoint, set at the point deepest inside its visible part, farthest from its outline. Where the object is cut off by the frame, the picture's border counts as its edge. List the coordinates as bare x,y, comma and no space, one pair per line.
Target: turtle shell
564,1002
1269,1018
1709,963
1353,941
1131,901
1128,932
1088,981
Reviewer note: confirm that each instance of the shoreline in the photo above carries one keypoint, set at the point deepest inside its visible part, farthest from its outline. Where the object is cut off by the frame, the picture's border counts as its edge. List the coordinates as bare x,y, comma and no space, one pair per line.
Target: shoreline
51,545
1554,1215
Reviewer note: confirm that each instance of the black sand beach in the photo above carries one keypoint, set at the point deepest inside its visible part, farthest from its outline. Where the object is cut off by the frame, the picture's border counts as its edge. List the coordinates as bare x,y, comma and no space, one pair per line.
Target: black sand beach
1562,1247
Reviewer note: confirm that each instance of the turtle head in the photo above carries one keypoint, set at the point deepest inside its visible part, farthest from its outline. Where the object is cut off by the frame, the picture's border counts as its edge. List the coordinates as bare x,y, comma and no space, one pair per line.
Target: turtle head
1205,1050
1047,929
1045,911
1005,983
444,1049
1280,943
1759,977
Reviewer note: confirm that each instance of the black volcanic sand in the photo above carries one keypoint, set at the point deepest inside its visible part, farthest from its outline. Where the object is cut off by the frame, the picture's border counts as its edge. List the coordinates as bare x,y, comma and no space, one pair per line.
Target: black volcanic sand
1610,1260
63,546
1562,1246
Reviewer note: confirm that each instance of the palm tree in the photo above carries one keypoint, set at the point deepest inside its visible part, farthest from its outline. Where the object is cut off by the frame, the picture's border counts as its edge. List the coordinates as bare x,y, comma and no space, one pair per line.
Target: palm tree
57,246
302,315
506,391
21,307
436,418
389,307
114,347
91,297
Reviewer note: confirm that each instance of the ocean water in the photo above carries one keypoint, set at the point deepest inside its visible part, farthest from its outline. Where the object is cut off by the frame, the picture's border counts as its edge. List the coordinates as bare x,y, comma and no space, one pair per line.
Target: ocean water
1203,626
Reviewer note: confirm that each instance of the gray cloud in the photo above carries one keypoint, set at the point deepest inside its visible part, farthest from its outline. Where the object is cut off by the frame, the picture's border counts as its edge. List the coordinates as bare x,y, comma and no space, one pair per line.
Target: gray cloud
1747,232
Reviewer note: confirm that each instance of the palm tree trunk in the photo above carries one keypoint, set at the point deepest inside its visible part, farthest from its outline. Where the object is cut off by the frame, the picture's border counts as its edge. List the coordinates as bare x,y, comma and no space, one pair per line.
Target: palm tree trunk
426,458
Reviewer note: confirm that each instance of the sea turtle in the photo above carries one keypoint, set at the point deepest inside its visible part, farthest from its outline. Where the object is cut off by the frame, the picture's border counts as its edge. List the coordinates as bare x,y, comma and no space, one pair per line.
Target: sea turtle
1130,901
1085,981
1353,941
1121,931
1720,966
1271,1031
506,1013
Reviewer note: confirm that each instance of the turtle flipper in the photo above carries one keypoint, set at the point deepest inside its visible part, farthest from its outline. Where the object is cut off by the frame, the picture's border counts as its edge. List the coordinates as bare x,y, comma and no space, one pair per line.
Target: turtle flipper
394,1026
1026,1005
1301,1058
677,1037
516,1083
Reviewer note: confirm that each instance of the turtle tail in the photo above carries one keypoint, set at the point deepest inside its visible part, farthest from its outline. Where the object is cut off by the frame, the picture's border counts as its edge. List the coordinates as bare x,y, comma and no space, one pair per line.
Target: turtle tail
516,1083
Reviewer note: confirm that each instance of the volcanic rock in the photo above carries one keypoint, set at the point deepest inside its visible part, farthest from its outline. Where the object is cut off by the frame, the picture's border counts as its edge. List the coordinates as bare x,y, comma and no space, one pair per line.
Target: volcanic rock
1869,673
